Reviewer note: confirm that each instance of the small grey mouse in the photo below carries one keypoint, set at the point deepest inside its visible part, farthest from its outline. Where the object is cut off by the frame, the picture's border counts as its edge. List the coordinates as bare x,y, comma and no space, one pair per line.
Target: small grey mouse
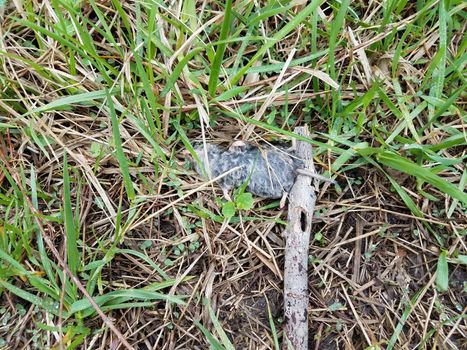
269,171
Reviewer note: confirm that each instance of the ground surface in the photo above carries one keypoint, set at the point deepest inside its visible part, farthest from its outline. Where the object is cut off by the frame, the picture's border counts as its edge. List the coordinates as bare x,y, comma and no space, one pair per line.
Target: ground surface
99,98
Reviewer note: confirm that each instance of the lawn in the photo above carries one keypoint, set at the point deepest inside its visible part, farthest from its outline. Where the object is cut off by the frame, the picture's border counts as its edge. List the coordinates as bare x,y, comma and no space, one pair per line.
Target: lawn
108,238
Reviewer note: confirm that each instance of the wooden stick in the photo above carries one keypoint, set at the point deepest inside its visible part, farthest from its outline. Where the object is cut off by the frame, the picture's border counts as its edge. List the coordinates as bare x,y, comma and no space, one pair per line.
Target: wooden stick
302,199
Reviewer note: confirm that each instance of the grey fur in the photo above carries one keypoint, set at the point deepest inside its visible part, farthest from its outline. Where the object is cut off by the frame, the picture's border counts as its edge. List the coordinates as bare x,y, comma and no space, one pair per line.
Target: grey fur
269,171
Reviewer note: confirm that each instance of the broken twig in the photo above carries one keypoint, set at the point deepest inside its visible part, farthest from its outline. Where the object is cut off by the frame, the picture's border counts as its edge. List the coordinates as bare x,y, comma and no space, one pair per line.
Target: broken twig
302,199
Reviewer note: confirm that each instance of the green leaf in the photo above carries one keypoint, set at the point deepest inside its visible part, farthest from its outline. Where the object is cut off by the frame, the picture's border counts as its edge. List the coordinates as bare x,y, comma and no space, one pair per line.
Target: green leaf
244,201
228,209
442,272
335,307
461,259
190,14
96,149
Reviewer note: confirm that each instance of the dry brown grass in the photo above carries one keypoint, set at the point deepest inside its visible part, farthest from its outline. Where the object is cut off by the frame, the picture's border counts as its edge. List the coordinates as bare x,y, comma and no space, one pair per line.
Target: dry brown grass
373,260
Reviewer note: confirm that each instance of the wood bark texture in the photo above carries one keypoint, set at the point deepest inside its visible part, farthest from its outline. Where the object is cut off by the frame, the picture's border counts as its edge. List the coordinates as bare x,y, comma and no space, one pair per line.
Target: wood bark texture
302,200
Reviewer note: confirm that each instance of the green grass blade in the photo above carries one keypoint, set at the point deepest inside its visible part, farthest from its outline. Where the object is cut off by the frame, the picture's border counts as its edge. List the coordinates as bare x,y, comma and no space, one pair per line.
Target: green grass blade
147,86
274,67
216,64
65,102
275,338
215,344
399,163
451,141
439,72
178,70
405,197
118,297
400,326
33,299
300,17
39,283
217,326
122,161
145,258
107,32
336,29
455,202
267,12
229,94
70,228
40,243
448,103
397,53
149,137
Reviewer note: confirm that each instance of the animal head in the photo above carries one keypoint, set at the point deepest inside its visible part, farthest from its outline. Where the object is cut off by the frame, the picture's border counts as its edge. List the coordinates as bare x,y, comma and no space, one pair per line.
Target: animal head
208,155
